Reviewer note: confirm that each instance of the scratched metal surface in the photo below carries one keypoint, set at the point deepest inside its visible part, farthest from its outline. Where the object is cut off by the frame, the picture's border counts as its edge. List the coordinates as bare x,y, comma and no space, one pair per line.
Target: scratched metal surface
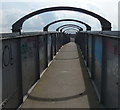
49,42
98,63
111,86
11,79
42,53
90,53
53,44
0,72
109,67
57,43
28,60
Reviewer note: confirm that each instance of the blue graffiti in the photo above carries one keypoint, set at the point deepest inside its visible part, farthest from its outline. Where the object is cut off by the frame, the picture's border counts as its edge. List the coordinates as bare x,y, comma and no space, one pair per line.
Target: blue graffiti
98,50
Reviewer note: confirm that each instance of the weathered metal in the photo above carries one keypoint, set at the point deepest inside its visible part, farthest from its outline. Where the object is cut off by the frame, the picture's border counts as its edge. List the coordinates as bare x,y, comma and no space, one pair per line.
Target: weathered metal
101,55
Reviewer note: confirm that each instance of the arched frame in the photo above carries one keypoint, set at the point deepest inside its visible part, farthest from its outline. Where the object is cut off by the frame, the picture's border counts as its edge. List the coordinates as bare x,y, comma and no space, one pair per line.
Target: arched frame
70,29
88,27
17,26
69,25
79,29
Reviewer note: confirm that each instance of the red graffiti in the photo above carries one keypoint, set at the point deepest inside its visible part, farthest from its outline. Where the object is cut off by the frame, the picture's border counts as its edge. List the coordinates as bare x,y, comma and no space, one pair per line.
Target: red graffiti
113,48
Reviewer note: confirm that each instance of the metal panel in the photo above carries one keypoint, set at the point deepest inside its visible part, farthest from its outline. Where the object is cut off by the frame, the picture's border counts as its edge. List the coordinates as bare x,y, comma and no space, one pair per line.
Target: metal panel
57,42
93,58
49,47
86,48
103,61
29,61
42,53
83,42
11,74
111,79
98,63
0,72
90,53
54,44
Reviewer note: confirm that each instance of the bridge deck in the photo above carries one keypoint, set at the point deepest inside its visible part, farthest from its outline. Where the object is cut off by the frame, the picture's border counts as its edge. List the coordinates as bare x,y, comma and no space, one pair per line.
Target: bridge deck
65,84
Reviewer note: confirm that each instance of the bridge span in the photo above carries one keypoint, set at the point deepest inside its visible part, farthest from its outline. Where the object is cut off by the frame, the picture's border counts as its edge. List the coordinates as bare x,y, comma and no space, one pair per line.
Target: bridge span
58,69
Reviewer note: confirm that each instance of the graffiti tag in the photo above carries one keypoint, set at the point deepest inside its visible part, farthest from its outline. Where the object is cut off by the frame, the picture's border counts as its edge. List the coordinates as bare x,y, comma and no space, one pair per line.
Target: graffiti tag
7,57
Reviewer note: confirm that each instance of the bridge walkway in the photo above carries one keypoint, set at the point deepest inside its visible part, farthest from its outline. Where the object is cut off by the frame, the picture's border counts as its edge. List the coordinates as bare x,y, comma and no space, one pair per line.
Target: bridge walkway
65,84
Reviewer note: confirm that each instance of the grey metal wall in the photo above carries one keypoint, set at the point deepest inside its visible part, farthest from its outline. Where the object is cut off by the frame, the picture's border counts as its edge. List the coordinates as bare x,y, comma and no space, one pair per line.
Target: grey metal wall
111,76
57,42
0,72
11,73
42,53
98,63
53,45
90,54
49,47
23,59
29,63
101,56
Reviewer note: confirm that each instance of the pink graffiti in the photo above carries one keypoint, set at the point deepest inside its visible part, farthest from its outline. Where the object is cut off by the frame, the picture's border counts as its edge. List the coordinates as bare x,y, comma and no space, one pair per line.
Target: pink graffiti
113,48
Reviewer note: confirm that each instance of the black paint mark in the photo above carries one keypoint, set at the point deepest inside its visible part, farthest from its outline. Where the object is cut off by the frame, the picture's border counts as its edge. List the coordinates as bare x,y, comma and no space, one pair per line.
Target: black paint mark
7,58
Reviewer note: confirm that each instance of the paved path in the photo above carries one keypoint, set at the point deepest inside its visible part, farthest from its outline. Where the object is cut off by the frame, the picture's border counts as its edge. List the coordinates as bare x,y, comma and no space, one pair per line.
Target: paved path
65,84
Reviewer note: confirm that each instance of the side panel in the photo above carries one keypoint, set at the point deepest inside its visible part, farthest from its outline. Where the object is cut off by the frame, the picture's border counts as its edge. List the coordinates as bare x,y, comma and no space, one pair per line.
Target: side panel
54,44
0,72
29,61
42,53
11,74
111,79
49,47
98,63
89,53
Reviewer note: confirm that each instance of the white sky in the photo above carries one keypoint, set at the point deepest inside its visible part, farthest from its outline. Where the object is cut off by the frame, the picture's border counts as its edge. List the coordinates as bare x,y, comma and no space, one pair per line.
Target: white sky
12,10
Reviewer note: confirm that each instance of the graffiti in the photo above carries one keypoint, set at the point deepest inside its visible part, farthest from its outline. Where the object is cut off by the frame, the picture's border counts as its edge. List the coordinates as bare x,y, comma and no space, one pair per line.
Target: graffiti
98,50
25,50
33,41
7,57
113,67
113,48
112,53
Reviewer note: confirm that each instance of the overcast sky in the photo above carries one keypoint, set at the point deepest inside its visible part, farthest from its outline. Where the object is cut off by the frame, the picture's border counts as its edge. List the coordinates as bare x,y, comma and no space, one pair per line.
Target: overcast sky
12,10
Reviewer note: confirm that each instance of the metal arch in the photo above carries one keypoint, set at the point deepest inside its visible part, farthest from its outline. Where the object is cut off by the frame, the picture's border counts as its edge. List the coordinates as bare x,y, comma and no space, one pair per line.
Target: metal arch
47,26
70,29
17,26
66,25
79,29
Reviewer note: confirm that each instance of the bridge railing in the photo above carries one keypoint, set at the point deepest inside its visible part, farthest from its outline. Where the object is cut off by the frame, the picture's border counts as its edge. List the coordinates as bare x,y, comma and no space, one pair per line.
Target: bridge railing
101,56
24,58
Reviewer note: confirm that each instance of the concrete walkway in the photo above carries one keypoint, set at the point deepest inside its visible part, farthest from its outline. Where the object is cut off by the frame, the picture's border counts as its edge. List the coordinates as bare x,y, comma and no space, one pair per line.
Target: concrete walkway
65,84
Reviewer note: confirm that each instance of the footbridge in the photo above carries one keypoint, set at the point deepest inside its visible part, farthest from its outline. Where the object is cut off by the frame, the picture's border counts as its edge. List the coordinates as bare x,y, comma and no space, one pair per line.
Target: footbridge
61,69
